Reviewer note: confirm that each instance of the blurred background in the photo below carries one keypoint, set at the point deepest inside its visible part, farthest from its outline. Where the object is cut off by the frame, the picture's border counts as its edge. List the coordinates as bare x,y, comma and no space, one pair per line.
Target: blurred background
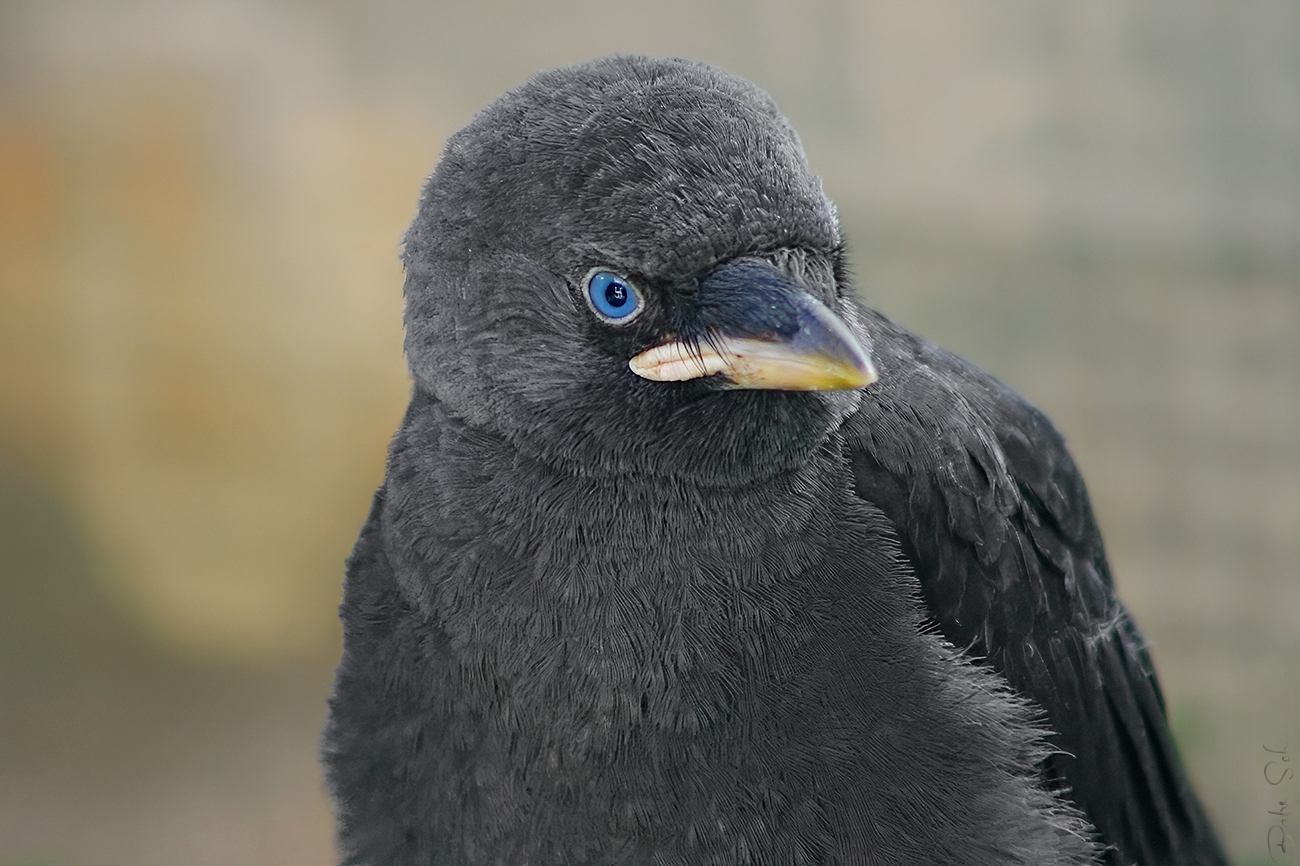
200,344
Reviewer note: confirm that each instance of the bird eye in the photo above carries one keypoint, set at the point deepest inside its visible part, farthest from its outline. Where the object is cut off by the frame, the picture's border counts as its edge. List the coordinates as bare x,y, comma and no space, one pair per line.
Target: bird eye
613,298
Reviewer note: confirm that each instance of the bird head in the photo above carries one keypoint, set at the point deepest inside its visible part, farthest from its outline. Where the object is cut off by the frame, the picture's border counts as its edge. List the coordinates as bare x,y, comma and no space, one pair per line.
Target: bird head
626,266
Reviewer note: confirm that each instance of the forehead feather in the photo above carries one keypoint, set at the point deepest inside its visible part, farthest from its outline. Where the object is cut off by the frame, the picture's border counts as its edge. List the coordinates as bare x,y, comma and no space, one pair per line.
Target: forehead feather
668,165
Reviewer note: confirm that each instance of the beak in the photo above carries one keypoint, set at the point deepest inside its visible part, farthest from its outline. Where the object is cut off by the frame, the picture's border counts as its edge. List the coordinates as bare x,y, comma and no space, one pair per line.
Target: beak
761,331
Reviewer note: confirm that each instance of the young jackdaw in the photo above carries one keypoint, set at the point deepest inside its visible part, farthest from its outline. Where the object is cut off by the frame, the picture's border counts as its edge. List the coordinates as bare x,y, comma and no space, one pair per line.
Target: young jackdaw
658,575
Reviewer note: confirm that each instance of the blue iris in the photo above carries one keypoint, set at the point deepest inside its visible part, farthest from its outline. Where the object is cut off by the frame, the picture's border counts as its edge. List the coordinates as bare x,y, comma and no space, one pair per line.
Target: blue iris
613,298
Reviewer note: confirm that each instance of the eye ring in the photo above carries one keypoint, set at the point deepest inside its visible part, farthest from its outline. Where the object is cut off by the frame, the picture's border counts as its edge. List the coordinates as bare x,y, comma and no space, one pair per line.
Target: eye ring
611,296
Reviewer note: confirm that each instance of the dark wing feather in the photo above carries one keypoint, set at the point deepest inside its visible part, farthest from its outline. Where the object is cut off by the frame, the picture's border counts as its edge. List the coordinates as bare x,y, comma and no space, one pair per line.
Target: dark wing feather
995,518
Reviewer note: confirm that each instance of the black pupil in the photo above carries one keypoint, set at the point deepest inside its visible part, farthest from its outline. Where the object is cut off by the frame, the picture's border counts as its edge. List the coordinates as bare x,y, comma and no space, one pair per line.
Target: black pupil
616,294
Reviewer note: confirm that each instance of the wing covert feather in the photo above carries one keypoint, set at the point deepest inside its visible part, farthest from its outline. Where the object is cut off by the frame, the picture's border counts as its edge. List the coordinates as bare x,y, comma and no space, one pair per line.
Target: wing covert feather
995,518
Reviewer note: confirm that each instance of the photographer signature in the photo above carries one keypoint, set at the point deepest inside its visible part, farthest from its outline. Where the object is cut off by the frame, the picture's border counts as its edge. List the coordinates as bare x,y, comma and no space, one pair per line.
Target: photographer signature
1280,843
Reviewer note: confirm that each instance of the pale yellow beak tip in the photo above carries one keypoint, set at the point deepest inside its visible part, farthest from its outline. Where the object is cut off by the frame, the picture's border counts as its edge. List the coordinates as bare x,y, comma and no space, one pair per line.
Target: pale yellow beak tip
754,364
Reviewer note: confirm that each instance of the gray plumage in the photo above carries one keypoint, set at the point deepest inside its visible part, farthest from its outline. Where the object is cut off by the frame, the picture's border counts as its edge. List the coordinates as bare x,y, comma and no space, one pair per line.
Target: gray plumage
598,618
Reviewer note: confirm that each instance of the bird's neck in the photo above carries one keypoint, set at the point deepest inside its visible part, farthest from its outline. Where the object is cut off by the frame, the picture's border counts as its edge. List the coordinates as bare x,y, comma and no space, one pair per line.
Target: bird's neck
592,587
459,494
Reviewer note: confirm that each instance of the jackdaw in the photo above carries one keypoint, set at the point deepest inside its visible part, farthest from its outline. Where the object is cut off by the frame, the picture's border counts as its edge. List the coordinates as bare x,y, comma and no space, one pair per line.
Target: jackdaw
683,555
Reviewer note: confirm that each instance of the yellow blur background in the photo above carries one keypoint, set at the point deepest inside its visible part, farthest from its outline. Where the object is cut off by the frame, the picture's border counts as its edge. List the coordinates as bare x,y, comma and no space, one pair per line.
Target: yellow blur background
200,344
